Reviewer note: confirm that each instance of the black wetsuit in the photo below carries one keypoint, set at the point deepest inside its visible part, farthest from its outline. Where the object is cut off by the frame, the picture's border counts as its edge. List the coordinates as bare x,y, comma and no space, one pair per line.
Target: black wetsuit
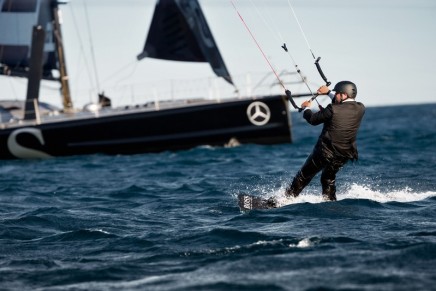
336,145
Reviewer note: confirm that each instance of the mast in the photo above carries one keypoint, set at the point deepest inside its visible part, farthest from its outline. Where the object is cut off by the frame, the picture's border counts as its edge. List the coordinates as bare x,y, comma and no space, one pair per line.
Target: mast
35,73
65,87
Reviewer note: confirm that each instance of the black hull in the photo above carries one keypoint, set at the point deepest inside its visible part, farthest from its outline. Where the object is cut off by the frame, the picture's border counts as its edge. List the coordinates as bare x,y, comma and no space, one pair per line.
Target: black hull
145,130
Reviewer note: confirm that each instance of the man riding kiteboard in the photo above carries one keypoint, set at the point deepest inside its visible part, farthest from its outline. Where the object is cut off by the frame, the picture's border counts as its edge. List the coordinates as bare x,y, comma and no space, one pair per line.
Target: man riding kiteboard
337,142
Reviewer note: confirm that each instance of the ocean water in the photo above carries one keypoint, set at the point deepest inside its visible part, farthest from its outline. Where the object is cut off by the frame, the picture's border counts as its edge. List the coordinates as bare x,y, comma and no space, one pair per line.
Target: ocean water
170,221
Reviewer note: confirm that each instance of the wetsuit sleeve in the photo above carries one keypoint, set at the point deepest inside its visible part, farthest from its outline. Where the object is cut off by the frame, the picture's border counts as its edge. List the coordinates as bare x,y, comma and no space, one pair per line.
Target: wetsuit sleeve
320,116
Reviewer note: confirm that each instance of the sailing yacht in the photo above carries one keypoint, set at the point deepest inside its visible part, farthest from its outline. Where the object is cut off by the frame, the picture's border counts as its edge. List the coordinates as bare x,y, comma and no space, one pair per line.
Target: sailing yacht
31,47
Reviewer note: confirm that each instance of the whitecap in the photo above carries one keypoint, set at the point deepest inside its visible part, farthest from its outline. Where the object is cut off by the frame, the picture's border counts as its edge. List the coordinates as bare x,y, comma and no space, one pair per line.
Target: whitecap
354,191
304,243
407,194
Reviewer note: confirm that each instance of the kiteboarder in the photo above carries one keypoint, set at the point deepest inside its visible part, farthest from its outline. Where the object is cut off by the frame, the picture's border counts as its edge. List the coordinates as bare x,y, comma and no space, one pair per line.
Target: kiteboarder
337,142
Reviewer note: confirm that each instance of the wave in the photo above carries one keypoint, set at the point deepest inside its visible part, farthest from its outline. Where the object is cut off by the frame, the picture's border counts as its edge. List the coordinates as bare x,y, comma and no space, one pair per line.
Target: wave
83,234
402,195
354,192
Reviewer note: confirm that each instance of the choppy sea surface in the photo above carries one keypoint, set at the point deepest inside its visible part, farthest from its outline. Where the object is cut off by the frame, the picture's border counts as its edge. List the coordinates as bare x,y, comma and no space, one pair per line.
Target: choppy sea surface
170,221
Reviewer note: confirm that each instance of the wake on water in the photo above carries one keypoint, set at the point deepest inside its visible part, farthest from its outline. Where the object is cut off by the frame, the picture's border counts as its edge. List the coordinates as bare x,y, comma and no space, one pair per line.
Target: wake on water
354,191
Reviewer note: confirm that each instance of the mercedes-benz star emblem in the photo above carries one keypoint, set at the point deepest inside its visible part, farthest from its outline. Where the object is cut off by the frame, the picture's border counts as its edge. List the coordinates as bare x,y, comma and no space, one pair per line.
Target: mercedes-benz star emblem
258,113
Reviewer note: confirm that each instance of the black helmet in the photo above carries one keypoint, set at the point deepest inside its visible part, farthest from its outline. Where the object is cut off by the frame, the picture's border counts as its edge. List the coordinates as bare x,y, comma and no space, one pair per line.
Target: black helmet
346,87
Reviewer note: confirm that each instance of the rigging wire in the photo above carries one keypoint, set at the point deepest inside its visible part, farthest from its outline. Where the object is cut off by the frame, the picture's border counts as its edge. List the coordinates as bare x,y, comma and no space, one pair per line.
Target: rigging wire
318,67
125,67
82,50
133,66
301,28
122,69
258,45
281,40
92,46
287,92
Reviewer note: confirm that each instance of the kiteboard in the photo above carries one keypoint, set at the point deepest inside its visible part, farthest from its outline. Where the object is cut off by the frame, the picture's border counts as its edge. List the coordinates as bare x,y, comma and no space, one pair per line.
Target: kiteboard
250,202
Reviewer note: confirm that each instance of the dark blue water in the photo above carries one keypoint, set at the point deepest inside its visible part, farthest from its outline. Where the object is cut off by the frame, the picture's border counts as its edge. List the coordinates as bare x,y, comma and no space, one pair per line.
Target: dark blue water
170,221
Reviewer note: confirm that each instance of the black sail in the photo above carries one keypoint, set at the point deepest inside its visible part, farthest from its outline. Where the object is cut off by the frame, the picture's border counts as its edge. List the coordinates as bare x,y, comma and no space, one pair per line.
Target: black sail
17,18
179,32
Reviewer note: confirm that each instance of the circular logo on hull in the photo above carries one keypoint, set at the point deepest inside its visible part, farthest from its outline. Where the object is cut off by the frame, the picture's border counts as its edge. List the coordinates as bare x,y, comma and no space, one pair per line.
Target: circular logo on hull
258,113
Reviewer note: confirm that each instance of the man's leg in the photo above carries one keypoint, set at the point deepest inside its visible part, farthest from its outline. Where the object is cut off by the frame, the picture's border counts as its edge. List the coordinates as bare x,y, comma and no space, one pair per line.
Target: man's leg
328,178
311,167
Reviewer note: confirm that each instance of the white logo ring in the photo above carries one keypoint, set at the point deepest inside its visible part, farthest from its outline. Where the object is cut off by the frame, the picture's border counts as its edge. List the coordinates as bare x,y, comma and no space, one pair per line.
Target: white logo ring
258,113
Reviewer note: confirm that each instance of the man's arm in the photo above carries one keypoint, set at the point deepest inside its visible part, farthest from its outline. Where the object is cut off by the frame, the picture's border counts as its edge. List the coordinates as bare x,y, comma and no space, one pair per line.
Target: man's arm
318,117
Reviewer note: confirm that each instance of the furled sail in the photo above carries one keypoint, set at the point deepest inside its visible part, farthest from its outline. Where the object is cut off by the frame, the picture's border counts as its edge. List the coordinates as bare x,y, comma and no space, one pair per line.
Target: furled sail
17,18
179,32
